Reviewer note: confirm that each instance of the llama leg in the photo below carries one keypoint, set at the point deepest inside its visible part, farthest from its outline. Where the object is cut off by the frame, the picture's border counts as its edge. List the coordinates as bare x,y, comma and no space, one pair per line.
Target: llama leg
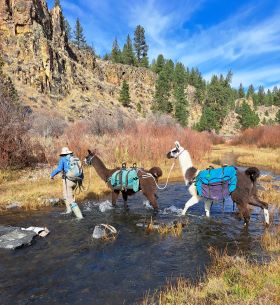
190,203
207,207
246,215
263,205
115,195
193,200
124,195
153,201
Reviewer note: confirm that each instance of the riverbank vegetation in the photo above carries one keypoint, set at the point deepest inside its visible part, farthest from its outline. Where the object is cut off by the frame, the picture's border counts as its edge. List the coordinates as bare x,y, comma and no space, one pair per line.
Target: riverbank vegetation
230,280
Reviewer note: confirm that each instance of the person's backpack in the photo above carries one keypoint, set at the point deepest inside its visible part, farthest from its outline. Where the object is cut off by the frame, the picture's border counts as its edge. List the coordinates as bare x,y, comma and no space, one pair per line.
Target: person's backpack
75,170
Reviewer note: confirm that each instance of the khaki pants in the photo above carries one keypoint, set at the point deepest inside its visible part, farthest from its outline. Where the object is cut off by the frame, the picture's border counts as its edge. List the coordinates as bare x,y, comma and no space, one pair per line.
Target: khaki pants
68,188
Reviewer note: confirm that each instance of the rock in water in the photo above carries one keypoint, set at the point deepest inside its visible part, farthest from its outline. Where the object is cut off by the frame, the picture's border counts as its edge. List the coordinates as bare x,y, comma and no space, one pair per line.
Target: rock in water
104,231
12,238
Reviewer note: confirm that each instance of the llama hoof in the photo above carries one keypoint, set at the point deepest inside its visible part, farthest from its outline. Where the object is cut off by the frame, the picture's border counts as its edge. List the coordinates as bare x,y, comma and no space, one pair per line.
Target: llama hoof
155,212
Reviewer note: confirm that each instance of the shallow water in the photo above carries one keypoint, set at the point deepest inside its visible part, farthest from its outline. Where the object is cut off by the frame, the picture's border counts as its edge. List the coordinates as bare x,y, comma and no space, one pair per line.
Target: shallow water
69,267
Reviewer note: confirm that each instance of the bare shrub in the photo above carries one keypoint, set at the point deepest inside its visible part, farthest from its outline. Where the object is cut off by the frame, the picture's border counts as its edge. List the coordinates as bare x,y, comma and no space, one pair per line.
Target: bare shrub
214,138
263,136
48,124
16,149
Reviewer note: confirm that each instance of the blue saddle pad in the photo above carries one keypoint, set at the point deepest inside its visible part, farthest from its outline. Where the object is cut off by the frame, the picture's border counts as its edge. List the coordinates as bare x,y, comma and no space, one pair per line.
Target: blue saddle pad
216,183
125,179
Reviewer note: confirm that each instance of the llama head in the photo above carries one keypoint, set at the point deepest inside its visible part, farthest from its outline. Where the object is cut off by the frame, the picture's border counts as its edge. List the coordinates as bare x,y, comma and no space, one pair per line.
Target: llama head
176,151
88,159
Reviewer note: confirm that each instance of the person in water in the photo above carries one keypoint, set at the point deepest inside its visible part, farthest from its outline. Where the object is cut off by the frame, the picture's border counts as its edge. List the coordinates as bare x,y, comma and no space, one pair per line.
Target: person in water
69,185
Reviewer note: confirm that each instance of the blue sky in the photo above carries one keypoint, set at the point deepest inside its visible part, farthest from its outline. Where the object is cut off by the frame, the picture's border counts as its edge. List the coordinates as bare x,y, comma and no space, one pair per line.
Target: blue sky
213,35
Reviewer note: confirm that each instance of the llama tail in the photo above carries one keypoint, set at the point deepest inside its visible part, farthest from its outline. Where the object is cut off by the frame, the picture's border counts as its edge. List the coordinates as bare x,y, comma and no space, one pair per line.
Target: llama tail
253,173
156,172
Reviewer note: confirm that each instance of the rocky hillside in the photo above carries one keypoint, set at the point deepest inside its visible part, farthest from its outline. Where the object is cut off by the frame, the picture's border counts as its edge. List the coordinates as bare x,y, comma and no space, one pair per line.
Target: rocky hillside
49,72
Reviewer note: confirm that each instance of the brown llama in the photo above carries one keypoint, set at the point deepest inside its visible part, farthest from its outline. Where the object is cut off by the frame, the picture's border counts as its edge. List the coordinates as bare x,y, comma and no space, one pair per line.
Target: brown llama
147,180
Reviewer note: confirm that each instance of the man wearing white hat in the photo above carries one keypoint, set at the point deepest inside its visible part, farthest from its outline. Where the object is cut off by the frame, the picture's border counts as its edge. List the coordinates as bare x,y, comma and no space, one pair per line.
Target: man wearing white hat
68,185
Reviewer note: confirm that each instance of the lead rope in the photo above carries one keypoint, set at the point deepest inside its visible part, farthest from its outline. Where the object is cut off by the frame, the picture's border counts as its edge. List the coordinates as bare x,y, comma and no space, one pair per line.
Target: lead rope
149,175
80,188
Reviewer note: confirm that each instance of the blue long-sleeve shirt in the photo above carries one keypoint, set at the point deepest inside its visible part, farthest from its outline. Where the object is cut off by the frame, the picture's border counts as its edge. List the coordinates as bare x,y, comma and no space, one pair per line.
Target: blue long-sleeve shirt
63,166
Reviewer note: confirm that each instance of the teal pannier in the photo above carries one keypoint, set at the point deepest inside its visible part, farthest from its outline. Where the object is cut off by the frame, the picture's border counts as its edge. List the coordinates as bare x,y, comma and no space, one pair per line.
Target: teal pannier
125,179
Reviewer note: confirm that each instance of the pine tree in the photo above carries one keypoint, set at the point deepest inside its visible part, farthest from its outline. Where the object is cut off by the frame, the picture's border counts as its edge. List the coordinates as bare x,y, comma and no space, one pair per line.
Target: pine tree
250,92
79,38
260,96
159,64
209,119
124,98
276,96
140,46
144,62
181,113
116,54
163,88
247,117
241,93
68,30
128,56
57,3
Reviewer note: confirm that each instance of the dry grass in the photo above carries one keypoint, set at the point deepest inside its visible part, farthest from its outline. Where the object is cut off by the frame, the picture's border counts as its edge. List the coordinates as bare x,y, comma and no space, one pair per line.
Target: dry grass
266,158
175,229
230,280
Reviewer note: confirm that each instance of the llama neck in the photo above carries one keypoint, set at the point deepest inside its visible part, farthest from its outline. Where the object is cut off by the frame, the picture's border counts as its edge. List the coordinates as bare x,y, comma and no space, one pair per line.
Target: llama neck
185,163
102,171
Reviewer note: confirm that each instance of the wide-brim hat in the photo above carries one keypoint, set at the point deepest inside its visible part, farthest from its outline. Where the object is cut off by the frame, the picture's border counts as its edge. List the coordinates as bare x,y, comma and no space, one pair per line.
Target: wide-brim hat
65,151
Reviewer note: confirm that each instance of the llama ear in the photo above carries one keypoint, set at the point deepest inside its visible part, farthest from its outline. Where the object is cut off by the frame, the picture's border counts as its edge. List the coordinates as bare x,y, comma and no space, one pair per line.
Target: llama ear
89,152
177,144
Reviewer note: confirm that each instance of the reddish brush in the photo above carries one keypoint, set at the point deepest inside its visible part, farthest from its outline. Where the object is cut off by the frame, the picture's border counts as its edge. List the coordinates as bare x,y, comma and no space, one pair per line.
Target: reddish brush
143,142
264,136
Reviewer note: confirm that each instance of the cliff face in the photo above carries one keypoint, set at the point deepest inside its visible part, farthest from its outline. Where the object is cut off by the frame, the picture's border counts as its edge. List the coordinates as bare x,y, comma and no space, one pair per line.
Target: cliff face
49,72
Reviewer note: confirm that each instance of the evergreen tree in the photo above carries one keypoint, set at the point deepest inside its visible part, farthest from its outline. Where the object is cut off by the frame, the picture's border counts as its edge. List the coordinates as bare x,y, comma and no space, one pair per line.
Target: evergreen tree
163,88
179,75
268,98
106,56
144,62
209,119
276,96
79,38
247,117
116,54
179,94
260,97
241,93
277,119
250,91
220,97
124,98
68,30
159,64
57,3
181,113
128,56
140,46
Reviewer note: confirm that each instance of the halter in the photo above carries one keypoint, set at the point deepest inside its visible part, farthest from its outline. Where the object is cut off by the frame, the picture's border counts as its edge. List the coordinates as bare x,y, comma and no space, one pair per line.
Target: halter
90,160
179,154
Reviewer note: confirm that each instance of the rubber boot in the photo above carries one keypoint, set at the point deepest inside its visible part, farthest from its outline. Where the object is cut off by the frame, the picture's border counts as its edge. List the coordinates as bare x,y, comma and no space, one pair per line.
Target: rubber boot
76,210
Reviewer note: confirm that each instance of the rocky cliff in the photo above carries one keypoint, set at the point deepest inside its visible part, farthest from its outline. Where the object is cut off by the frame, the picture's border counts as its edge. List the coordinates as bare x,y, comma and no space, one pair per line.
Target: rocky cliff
50,72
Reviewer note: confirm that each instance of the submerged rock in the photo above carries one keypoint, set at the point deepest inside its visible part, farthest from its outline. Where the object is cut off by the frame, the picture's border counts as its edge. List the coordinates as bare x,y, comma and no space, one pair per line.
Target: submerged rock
104,231
15,237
